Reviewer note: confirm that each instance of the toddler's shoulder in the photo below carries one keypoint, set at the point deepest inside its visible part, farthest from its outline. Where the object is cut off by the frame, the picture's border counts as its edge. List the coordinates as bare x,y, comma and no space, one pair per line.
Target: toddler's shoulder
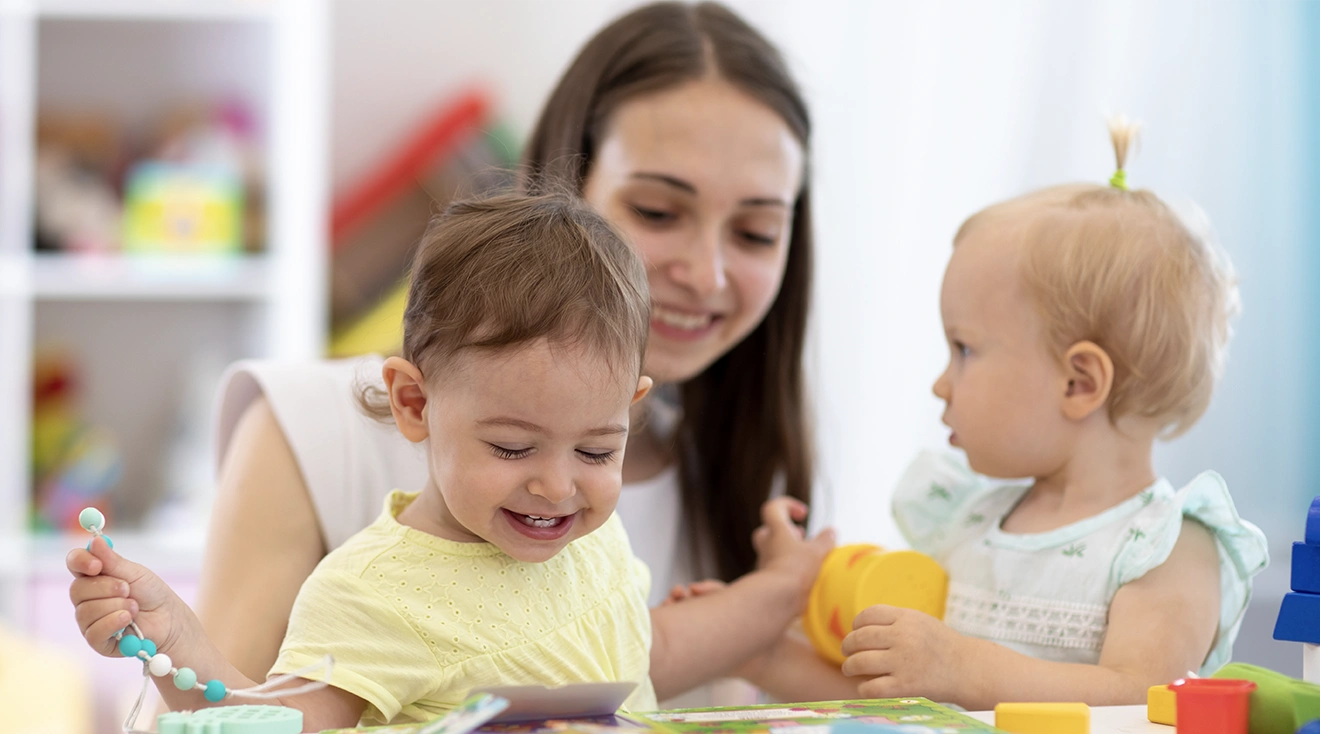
1155,529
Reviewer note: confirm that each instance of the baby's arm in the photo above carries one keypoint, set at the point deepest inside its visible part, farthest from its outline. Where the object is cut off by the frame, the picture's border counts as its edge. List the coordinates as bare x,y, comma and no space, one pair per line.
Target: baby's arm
711,635
109,591
1160,627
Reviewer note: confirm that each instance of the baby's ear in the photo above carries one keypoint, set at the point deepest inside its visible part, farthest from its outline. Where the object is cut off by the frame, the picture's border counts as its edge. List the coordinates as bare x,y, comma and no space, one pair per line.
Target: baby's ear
407,391
644,384
1090,378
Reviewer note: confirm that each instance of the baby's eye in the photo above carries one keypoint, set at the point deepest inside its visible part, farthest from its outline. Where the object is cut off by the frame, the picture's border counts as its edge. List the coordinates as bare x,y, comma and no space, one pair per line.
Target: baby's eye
508,453
597,457
960,348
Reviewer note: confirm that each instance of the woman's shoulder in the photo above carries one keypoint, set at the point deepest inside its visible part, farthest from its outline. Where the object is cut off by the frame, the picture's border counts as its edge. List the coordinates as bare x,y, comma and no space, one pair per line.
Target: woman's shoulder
348,460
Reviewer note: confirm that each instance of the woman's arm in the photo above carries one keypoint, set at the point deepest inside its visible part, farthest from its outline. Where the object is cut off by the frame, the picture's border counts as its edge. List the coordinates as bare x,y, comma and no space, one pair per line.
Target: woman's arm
707,636
1160,627
264,541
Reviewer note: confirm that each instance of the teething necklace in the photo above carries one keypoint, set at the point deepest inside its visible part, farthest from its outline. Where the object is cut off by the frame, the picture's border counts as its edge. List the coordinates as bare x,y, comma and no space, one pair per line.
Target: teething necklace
158,664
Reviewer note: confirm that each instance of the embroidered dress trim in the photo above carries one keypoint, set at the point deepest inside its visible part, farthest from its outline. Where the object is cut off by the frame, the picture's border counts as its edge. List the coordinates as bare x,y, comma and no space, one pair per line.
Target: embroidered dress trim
1009,618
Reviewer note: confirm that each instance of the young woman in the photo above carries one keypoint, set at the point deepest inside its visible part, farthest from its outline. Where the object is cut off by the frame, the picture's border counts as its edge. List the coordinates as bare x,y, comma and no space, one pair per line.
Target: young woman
681,125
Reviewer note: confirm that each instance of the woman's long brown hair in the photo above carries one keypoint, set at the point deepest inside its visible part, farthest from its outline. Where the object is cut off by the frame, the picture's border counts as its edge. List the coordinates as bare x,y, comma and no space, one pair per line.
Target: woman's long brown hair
744,418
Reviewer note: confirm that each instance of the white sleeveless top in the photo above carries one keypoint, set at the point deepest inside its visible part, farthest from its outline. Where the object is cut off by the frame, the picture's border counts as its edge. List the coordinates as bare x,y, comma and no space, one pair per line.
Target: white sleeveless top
1047,595
350,461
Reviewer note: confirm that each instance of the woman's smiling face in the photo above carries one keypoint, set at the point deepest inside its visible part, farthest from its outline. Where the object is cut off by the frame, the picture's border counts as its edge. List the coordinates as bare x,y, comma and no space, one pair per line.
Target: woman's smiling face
702,178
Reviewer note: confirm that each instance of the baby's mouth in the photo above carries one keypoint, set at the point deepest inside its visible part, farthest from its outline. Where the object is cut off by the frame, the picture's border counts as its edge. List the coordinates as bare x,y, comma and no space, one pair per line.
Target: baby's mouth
539,521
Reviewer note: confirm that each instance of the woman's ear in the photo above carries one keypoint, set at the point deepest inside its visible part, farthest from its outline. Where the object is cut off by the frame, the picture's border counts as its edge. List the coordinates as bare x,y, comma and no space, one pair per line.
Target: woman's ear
407,391
1090,374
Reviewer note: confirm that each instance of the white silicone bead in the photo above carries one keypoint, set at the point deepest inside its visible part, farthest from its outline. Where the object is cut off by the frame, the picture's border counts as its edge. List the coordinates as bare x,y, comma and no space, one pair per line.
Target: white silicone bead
160,665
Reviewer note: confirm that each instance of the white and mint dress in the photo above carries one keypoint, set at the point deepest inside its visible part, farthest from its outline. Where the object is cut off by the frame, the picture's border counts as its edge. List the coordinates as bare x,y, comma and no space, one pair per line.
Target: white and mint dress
1047,595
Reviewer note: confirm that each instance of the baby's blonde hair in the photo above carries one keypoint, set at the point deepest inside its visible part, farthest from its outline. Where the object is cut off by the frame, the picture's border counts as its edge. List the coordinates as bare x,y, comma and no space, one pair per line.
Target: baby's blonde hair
1119,268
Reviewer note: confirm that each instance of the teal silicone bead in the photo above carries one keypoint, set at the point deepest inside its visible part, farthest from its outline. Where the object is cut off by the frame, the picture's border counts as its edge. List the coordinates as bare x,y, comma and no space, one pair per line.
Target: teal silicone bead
108,542
185,679
149,647
130,646
91,519
215,691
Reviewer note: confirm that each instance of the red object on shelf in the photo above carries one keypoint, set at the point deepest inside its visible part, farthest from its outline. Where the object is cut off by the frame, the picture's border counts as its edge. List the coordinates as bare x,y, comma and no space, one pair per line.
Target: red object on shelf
443,134
1213,705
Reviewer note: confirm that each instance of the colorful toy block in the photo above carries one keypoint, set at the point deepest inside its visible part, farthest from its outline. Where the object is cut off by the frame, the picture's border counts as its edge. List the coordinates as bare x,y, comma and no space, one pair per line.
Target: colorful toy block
1213,705
1313,523
1311,728
1299,618
1299,615
1306,568
1162,705
1043,718
1279,704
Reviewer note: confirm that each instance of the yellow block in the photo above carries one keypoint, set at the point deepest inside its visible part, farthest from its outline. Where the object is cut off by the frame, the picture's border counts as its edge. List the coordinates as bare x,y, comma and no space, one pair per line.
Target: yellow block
1162,705
1043,718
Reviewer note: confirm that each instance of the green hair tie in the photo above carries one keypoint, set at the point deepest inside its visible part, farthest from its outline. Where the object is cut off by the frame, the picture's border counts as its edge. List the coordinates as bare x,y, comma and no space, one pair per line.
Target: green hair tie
1119,180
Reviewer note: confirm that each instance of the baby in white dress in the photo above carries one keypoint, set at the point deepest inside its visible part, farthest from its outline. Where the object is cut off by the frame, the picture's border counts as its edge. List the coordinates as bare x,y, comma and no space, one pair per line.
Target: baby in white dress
1084,322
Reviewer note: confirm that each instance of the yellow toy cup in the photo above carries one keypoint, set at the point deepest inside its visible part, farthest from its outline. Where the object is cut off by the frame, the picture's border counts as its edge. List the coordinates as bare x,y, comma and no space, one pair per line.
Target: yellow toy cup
858,576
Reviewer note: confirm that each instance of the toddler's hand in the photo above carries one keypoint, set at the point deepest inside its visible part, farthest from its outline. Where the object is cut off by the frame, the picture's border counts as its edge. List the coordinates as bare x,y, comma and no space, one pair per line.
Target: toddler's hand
904,652
782,548
682,592
108,592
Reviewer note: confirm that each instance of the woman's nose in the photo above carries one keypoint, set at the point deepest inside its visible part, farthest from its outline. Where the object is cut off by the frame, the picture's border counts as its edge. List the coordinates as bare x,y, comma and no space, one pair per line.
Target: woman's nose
699,265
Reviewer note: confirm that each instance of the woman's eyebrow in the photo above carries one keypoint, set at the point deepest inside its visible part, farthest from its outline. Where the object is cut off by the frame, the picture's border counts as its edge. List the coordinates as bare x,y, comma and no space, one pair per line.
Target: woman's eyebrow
688,188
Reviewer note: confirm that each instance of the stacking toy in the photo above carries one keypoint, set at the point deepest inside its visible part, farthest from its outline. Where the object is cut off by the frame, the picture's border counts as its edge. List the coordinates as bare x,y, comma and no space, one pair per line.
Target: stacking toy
858,576
1280,704
1213,705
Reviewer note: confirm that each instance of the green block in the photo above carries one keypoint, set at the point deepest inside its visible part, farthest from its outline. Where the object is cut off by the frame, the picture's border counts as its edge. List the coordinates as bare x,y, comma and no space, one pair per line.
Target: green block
232,720
1280,704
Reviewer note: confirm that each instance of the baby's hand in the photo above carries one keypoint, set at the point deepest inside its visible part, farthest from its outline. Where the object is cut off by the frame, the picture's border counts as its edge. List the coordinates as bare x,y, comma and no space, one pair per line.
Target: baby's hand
782,548
904,652
683,592
108,592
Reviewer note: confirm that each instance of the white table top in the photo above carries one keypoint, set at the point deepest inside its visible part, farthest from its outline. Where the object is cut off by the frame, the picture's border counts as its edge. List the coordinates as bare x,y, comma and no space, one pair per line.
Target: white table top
1106,720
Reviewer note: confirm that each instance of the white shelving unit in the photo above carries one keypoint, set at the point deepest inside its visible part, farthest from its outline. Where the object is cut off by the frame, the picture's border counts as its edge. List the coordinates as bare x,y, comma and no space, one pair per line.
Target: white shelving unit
137,326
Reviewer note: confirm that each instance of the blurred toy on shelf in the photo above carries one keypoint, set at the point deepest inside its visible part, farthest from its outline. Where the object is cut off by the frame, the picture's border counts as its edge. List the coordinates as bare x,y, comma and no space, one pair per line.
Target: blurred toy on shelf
456,152
74,464
192,184
181,208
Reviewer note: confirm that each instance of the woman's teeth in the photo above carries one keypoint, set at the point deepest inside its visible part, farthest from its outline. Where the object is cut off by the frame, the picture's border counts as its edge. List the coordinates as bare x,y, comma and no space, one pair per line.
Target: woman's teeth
540,522
679,320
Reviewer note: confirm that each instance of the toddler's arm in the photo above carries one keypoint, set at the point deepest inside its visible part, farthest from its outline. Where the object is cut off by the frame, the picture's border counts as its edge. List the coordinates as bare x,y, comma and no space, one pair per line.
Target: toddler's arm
1160,627
109,591
710,635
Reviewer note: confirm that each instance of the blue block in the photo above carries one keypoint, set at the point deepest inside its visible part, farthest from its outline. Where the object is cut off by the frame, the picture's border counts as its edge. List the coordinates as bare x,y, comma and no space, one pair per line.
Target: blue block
1299,618
1313,523
1306,568
1311,728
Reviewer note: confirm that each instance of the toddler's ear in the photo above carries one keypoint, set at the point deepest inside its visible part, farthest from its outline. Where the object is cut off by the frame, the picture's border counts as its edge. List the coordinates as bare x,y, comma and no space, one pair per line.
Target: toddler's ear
643,387
1090,378
407,391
